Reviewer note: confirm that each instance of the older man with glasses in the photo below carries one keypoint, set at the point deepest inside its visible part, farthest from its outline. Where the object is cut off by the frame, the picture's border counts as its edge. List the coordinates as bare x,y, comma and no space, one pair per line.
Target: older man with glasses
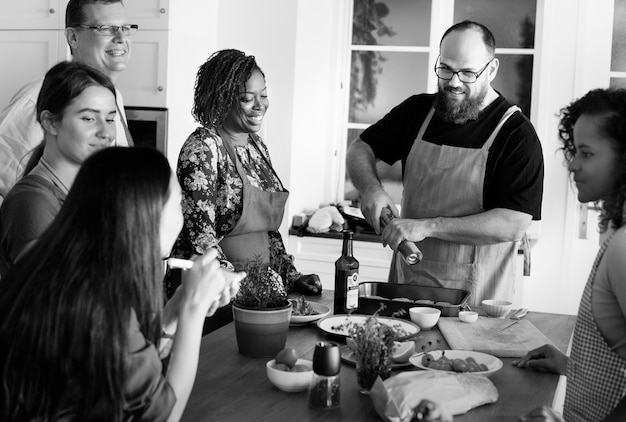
472,174
98,34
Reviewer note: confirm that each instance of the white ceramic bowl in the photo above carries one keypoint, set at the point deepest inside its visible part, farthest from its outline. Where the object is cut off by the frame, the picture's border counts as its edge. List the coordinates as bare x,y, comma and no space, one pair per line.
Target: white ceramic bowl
496,308
290,381
425,317
468,316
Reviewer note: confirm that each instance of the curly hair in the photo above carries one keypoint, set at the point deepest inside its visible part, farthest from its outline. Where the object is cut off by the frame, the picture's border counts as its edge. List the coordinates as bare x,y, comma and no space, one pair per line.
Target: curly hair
610,106
218,83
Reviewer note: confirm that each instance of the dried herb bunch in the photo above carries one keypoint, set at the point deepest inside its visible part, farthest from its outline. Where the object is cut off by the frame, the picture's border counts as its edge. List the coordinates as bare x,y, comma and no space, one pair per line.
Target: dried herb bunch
262,288
373,343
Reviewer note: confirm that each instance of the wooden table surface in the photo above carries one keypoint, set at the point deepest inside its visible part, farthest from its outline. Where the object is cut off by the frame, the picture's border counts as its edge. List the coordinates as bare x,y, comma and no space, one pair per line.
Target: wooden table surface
233,387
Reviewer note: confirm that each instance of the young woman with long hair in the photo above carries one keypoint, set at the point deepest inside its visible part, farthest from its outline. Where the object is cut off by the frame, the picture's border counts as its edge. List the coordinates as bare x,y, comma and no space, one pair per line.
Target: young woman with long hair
76,108
81,311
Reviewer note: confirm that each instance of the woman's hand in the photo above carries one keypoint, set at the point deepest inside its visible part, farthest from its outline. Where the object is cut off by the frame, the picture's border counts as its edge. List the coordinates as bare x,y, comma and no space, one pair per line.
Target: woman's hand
541,414
429,411
546,358
309,284
207,286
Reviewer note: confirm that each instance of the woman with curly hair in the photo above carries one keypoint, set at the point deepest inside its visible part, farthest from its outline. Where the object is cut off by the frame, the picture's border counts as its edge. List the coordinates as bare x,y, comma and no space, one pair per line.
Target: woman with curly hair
233,199
593,132
82,311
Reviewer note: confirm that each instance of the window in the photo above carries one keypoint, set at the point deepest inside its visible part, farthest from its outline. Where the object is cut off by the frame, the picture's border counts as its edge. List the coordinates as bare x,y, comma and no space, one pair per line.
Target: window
392,53
618,53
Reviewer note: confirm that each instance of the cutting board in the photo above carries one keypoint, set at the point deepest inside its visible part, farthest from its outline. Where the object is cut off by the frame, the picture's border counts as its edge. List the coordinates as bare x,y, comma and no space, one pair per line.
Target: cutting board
483,336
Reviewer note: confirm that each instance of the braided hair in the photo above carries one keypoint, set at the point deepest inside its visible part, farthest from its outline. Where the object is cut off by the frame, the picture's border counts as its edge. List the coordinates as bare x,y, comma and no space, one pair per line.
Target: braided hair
609,105
218,83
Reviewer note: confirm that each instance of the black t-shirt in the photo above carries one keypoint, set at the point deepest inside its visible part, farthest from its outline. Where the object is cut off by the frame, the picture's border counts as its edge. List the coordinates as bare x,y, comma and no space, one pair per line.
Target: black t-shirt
514,173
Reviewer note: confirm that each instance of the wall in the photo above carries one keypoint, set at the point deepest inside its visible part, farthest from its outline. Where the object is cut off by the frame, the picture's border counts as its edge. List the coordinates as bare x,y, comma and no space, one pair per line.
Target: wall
190,44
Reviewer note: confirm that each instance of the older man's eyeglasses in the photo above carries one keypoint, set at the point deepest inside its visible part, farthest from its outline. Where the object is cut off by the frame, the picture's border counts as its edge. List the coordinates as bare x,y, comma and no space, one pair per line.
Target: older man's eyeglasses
110,29
465,76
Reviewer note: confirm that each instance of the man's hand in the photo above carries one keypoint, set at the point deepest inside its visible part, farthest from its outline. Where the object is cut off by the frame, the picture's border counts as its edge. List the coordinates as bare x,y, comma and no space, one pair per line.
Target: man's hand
373,203
309,284
429,411
400,229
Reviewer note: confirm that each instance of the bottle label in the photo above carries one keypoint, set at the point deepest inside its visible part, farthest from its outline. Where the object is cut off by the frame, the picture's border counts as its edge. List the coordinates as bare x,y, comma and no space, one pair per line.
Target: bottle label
352,295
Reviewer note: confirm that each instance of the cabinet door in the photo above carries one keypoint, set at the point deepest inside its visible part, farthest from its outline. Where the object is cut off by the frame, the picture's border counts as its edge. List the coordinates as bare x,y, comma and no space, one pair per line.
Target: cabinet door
315,255
148,14
37,52
33,14
143,83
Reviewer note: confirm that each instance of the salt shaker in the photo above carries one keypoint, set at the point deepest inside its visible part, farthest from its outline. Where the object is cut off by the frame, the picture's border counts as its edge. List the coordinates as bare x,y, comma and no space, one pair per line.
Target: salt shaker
325,386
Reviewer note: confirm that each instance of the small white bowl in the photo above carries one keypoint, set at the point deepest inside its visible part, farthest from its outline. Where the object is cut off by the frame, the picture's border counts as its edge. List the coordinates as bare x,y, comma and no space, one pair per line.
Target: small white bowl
496,308
290,381
425,317
468,316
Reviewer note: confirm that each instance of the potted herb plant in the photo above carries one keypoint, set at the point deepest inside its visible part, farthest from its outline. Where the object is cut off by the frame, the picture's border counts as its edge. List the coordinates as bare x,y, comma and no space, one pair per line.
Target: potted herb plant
261,311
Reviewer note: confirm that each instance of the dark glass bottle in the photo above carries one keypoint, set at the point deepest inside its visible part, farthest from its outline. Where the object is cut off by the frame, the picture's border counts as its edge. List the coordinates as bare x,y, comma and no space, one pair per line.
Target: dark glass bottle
346,278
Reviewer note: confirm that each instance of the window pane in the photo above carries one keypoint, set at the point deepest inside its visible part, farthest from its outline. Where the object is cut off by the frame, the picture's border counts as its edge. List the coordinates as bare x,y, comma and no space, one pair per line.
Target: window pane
514,80
391,22
390,176
512,22
618,83
381,80
618,53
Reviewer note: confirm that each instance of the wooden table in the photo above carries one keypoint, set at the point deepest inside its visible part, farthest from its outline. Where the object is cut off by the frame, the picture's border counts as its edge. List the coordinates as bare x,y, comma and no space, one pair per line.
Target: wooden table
233,387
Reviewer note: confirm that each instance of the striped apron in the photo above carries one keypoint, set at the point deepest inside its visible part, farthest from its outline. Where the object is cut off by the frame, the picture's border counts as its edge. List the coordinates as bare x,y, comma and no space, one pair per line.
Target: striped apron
447,181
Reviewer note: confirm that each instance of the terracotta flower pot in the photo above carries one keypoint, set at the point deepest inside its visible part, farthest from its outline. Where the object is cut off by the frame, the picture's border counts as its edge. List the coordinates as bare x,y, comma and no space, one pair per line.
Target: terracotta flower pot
261,332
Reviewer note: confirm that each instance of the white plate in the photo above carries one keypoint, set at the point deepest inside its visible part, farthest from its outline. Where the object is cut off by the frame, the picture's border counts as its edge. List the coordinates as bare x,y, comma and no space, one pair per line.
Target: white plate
348,356
493,363
322,311
337,325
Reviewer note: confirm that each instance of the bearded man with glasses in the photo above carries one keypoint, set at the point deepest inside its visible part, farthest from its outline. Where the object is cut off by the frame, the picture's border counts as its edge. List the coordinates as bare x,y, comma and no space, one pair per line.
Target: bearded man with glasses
98,34
472,169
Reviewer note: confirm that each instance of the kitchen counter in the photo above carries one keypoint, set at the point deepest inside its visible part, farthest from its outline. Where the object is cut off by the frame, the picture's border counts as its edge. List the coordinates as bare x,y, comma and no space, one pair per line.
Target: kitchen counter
233,387
360,234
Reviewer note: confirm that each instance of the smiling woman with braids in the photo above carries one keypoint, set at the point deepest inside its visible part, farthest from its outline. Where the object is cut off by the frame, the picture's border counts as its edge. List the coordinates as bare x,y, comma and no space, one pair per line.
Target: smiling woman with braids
224,166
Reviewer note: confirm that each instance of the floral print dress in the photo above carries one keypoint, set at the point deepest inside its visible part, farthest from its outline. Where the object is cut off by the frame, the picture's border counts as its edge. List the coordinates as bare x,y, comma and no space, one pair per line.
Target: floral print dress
213,197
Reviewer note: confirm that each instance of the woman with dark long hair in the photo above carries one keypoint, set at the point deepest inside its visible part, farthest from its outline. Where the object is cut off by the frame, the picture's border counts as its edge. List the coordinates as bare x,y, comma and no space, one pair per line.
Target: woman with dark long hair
81,311
593,133
76,109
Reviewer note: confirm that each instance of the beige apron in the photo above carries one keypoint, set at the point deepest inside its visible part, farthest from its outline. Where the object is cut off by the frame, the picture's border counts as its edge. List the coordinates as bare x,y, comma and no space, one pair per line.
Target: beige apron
447,181
262,212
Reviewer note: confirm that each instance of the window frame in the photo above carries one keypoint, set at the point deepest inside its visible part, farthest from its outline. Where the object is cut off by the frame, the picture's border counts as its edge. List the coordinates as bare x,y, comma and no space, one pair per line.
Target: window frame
442,17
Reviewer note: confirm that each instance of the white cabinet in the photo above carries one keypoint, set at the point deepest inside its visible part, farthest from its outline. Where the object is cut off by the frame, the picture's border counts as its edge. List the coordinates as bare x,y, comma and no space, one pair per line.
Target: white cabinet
149,14
28,55
144,82
316,255
33,14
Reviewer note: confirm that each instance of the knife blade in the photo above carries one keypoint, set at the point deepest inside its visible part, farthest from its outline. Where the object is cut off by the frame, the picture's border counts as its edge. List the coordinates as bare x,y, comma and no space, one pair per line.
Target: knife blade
508,326
517,316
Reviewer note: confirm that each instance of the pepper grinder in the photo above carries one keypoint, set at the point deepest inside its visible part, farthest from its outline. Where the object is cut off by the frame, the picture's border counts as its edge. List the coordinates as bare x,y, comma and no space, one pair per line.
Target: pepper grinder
325,386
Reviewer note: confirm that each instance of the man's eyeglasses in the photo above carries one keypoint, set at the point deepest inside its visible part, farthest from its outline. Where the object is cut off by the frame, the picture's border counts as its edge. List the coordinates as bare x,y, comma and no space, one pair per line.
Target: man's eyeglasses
465,76
110,29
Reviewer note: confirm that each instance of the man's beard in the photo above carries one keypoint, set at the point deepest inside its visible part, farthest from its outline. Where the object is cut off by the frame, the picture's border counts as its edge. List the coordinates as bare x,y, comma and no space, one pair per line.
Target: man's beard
458,112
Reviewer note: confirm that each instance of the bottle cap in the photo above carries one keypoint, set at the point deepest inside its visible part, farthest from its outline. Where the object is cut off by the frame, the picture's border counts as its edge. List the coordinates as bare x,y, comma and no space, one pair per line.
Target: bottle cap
326,358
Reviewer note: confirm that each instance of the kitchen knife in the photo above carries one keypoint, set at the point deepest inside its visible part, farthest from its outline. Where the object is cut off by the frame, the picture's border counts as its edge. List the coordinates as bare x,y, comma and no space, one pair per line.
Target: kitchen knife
517,316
